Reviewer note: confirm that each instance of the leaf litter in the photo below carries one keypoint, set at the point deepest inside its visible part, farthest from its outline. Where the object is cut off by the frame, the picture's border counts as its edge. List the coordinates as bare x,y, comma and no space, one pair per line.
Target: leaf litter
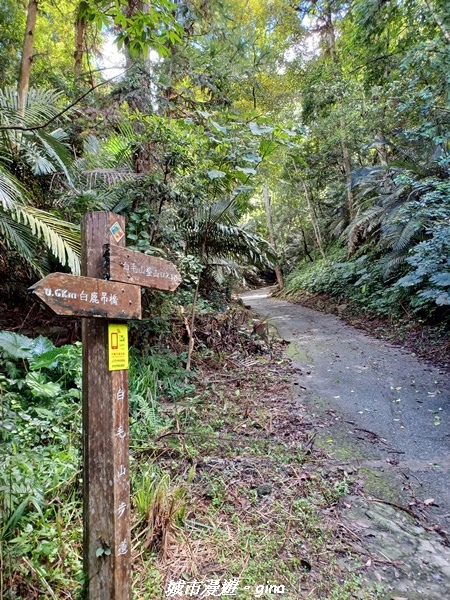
263,503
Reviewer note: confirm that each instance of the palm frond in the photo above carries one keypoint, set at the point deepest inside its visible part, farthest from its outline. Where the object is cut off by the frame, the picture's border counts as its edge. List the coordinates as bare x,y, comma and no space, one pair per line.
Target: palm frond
11,190
114,155
38,162
392,261
23,226
409,231
41,105
228,241
57,151
61,237
220,268
108,177
17,236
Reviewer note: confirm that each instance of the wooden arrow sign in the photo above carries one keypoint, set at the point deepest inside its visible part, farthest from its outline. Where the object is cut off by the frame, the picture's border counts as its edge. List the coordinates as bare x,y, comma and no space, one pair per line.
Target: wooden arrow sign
121,264
73,296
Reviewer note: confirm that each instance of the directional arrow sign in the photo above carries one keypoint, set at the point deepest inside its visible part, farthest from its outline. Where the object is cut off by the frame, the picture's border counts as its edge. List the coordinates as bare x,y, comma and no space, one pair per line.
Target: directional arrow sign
75,296
121,264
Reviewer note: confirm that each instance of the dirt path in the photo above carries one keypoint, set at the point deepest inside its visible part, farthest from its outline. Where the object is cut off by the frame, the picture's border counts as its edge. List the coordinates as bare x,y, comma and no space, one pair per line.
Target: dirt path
385,417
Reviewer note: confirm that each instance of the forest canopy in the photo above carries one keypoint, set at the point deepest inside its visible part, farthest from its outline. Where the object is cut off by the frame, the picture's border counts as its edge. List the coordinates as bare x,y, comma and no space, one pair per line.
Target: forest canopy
333,116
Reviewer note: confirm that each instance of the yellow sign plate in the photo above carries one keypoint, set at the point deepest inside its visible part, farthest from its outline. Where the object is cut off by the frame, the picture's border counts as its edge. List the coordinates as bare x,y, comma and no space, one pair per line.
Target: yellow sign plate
117,347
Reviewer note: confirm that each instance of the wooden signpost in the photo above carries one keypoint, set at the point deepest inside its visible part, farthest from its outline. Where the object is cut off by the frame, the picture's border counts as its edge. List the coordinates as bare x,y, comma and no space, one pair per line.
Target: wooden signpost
128,266
88,297
106,478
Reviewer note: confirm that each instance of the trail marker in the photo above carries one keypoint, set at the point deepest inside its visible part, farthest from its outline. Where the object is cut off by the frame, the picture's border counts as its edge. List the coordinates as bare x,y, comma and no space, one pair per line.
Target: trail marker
106,478
75,296
125,265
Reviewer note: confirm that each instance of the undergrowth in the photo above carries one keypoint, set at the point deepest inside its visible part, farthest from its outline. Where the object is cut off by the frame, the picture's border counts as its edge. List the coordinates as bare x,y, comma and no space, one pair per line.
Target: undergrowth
364,281
228,492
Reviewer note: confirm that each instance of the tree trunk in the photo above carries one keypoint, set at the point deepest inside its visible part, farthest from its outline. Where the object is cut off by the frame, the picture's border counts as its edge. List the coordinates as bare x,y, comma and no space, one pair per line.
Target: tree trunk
27,56
312,215
80,30
191,329
330,38
305,245
382,149
271,236
347,169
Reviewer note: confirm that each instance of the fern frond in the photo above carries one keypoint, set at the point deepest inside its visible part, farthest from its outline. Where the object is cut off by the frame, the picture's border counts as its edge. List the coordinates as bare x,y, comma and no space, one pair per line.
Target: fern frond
41,105
392,261
108,176
408,233
57,151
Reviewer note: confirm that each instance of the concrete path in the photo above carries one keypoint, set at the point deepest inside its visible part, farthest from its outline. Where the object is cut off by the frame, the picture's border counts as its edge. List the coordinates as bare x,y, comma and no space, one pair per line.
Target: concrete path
387,417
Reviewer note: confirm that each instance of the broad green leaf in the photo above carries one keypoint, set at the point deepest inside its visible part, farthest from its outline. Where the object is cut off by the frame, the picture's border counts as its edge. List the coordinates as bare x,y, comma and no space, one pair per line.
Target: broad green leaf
251,157
247,170
443,300
215,174
219,127
441,279
260,130
266,147
41,345
48,359
16,345
40,387
204,114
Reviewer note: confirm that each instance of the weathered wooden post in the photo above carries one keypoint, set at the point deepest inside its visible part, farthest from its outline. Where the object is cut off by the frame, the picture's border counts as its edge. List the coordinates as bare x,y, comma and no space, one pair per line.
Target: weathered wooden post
106,481
110,290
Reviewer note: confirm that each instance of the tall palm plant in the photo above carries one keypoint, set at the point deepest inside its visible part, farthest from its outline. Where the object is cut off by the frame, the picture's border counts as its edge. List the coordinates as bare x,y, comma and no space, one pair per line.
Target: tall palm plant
28,153
213,233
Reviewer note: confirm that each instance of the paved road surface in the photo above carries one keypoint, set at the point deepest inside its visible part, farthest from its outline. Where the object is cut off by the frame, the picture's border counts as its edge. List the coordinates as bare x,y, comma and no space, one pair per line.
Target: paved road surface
388,419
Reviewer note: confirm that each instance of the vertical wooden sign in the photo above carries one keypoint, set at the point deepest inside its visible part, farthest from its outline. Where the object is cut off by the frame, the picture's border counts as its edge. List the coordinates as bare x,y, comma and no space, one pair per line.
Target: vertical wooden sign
107,543
106,478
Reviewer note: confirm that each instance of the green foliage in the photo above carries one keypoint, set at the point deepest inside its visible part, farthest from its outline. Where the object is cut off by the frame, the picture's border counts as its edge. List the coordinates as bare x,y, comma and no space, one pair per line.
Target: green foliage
29,157
429,276
359,280
154,377
40,389
161,503
11,25
137,30
40,427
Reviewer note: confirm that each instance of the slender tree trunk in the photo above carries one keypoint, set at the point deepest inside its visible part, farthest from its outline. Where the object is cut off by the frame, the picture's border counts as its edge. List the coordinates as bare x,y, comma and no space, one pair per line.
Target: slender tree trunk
382,150
271,235
192,325
312,215
27,56
80,31
330,37
194,309
347,170
314,222
305,245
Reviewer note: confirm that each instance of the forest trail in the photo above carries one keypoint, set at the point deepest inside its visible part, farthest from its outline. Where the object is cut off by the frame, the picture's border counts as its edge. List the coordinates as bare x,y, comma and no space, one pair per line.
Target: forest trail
383,416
